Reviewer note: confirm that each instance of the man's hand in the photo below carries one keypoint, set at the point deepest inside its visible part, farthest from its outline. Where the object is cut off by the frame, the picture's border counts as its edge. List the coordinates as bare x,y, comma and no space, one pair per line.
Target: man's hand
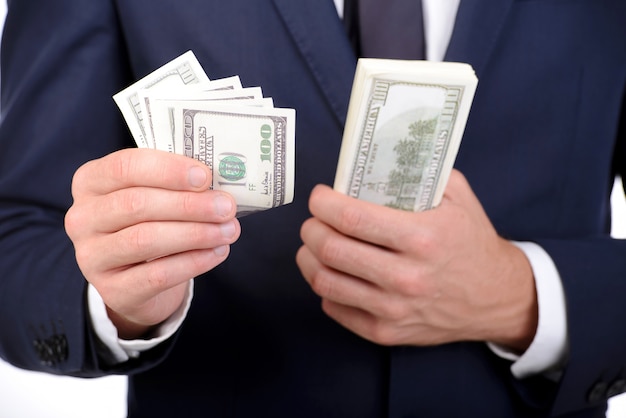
143,224
404,278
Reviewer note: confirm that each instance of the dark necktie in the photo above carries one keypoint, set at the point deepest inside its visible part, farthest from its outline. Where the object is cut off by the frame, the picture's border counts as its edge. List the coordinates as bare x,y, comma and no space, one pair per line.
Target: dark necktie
386,28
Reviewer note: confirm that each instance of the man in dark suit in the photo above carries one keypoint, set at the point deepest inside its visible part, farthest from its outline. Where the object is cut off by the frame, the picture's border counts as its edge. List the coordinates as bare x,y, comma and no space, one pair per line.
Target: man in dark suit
417,308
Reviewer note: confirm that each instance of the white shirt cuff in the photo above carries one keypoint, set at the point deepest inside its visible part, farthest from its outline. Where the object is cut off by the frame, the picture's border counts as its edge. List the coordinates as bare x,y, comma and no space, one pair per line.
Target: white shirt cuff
122,350
547,352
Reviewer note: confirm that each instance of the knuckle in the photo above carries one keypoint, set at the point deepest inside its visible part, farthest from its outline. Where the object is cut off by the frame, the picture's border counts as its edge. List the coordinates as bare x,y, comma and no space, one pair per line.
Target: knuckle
132,202
351,219
157,279
382,334
78,178
423,241
200,262
140,239
408,284
321,284
77,222
82,258
199,235
122,166
392,311
188,203
329,252
71,221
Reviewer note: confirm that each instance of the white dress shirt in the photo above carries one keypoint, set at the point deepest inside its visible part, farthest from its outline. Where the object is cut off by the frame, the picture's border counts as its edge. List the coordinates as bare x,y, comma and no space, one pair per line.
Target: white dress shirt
549,347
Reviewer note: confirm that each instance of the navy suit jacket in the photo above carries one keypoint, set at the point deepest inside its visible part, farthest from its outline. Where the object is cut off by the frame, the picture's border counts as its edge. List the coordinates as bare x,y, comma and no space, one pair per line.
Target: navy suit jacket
545,138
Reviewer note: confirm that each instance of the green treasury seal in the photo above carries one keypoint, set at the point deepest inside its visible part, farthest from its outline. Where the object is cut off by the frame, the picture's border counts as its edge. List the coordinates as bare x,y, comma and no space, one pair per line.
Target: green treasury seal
232,168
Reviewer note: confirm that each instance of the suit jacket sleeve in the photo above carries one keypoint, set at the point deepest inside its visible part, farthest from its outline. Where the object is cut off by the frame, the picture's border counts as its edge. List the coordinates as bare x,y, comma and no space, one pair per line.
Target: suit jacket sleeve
60,67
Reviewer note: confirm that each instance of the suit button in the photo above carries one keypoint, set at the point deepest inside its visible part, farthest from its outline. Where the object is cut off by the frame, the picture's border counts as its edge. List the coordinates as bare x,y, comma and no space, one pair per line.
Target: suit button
44,352
59,342
617,386
51,351
597,392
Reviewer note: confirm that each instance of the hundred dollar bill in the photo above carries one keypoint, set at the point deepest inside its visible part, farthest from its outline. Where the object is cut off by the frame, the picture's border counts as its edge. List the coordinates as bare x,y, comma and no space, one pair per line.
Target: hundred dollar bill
159,123
251,150
181,71
144,96
403,130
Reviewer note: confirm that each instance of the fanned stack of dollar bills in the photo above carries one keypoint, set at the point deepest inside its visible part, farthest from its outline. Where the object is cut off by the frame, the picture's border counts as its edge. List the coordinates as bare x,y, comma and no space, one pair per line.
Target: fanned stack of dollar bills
403,130
248,143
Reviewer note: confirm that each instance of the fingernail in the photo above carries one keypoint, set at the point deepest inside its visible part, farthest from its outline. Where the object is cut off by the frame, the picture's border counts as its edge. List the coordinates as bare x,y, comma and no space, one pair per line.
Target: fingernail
197,176
221,250
228,229
223,205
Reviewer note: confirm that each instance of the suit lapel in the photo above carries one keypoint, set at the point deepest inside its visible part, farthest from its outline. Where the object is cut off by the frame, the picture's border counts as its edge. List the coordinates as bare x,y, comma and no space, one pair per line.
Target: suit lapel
319,34
321,38
477,27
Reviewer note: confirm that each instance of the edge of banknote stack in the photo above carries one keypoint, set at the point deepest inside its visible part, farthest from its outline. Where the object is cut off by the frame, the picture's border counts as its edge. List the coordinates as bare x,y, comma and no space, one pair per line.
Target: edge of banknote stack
403,131
248,143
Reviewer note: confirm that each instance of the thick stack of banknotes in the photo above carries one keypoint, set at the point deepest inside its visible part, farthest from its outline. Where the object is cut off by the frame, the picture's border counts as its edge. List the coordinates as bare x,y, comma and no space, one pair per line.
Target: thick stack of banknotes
403,130
248,143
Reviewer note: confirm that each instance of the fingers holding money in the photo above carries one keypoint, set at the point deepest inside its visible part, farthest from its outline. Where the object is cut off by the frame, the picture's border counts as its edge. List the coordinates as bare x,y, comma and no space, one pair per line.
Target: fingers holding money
362,220
140,167
146,204
134,205
124,284
146,294
424,278
143,223
152,240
